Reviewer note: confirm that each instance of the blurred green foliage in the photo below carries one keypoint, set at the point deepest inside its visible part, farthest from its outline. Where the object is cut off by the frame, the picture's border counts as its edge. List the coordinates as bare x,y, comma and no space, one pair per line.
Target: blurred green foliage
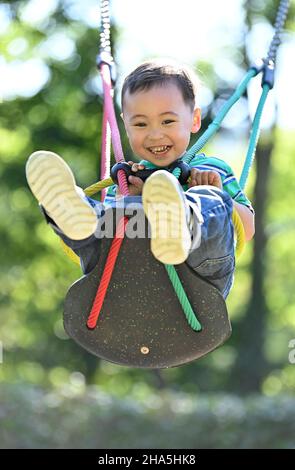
65,116
73,417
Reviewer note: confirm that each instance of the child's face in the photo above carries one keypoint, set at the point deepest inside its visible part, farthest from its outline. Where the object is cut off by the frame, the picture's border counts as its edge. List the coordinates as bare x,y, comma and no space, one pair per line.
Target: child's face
158,123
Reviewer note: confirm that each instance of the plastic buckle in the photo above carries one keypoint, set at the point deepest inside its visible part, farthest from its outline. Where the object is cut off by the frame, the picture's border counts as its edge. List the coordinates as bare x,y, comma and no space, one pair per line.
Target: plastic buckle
143,174
268,76
120,166
185,170
106,58
258,66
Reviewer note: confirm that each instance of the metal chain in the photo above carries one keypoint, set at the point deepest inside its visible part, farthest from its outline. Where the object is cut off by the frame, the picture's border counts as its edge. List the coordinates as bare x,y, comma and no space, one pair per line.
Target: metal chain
278,26
105,34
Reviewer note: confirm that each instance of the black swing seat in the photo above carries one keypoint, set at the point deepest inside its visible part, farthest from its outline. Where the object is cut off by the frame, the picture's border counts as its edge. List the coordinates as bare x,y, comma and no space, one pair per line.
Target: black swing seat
142,323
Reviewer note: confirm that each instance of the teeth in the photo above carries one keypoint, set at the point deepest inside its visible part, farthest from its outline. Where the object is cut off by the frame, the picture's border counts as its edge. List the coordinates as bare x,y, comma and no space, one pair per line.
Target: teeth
159,149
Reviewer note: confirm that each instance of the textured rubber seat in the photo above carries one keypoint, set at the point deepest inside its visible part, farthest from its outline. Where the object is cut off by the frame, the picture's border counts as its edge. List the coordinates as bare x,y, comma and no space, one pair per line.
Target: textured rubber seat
142,323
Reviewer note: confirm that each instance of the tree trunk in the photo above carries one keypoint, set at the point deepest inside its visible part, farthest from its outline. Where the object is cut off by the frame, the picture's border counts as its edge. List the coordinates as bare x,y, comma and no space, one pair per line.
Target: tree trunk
251,365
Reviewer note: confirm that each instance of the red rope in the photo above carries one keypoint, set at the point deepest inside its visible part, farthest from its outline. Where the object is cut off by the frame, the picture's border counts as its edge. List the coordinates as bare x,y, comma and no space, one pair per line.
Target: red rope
107,274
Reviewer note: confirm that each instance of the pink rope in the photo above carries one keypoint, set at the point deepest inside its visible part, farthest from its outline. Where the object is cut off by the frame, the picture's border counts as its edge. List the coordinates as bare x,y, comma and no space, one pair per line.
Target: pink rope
105,152
111,116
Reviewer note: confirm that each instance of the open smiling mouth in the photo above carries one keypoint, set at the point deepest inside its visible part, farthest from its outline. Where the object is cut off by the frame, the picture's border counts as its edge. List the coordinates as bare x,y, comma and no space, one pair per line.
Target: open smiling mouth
160,150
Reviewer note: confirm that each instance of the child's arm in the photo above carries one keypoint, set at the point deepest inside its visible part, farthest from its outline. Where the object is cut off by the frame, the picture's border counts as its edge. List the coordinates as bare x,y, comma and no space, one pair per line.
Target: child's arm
247,218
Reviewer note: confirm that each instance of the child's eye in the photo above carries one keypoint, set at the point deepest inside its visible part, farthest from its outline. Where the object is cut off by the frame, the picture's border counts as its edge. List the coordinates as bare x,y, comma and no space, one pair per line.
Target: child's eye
140,124
168,121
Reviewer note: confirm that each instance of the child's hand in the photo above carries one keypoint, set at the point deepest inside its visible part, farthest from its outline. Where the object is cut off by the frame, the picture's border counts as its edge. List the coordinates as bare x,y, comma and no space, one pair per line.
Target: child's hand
135,184
199,178
135,188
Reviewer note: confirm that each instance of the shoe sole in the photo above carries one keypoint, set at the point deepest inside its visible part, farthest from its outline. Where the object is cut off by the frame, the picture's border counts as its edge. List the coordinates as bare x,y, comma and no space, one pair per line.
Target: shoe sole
53,184
165,210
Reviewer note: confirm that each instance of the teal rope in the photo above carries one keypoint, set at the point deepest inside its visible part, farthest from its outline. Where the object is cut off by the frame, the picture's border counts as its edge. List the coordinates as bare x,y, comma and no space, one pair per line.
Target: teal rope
182,297
210,131
255,131
216,123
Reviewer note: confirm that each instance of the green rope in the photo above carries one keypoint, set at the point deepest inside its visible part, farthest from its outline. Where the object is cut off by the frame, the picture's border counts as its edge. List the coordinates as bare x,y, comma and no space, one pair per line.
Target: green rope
254,137
182,297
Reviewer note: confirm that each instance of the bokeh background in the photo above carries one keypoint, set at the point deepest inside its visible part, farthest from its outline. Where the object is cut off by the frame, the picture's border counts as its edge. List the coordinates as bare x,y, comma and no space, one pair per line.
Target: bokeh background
53,394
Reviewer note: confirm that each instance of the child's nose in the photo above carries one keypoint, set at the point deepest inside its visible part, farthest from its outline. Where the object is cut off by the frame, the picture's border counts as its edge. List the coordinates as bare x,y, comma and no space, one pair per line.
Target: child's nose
156,134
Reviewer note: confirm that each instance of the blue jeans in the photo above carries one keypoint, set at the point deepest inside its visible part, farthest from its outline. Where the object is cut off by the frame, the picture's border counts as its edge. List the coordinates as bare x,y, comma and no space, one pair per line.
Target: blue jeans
213,260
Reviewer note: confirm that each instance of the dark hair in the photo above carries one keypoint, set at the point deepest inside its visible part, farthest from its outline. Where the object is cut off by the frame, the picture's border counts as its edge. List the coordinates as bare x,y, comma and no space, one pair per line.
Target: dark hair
159,72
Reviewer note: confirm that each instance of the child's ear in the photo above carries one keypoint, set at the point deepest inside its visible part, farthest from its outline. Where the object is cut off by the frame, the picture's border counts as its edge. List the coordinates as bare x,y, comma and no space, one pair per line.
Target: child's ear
122,117
196,120
126,130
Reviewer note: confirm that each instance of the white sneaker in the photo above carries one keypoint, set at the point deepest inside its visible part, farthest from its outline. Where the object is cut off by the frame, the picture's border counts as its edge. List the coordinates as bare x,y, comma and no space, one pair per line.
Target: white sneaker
53,184
169,214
